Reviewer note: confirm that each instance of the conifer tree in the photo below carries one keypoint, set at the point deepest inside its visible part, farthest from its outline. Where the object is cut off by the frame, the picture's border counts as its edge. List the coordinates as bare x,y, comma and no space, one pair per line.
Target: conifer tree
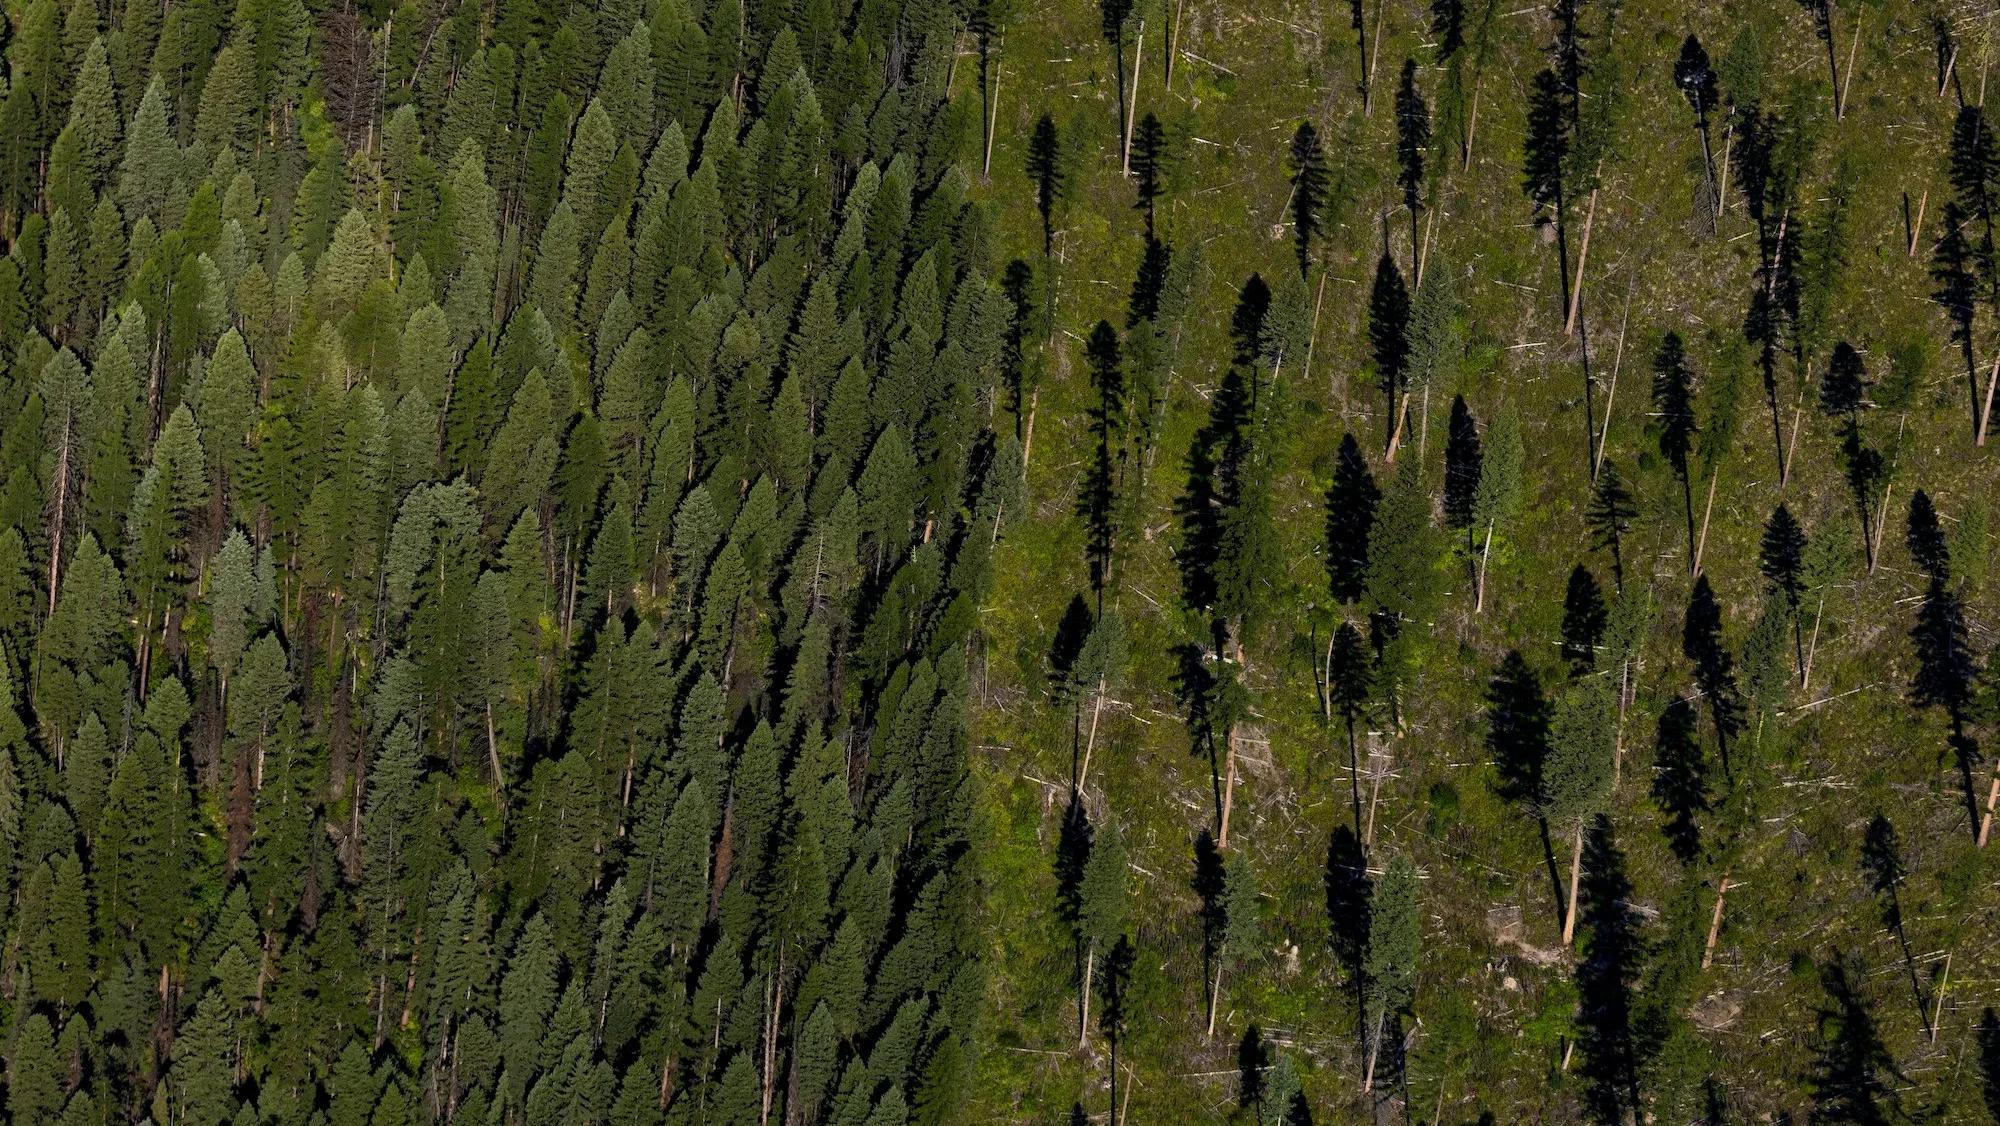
1311,183
1046,167
1394,935
1149,165
1782,561
1583,620
1351,501
1696,79
1389,342
1348,684
1610,515
1099,495
1413,140
1462,463
1680,782
1673,398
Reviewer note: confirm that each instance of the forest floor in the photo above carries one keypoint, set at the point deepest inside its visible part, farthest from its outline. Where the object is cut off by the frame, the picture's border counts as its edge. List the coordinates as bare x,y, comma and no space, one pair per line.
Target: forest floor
1495,1003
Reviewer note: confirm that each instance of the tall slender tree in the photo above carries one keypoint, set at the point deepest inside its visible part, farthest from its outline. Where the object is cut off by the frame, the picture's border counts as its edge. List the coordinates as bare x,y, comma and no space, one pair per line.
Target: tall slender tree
1673,399
1413,141
1311,181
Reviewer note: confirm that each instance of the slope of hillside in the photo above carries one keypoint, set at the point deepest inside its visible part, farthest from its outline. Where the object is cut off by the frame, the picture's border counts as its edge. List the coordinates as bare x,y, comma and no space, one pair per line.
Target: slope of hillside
1495,1024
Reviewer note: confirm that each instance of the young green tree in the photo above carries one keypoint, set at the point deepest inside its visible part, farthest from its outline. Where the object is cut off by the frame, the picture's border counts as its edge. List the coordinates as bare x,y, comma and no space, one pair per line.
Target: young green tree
1576,779
1610,517
1242,923
1395,936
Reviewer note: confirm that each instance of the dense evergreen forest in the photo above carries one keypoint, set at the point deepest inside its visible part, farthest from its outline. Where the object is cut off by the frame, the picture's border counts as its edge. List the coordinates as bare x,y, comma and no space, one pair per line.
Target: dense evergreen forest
875,562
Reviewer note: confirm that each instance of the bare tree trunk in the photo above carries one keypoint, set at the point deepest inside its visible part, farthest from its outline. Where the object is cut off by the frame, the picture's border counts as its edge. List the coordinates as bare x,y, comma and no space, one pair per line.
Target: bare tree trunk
1847,79
1214,998
1228,792
1083,1000
1374,1050
1992,800
1582,257
1374,798
1611,395
1471,127
1173,44
1374,62
500,776
1575,870
1875,556
1791,444
1805,677
1707,511
1722,192
1028,431
1916,229
1132,106
1715,922
58,518
1313,337
992,118
1096,710
1479,597
1396,433
1986,411
1424,425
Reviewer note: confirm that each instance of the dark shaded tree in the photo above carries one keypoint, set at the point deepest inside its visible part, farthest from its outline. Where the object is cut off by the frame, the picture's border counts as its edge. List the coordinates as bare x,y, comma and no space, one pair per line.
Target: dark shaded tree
1610,516
1149,165
1821,12
1389,343
1583,620
1989,1060
1843,395
1413,141
1852,1071
1462,463
1112,17
1311,182
1098,500
1697,82
1781,558
1882,863
1714,668
1929,549
1680,779
1351,501
1115,984
1253,1058
1349,677
1673,400
1613,955
1545,156
1018,285
1047,169
1517,737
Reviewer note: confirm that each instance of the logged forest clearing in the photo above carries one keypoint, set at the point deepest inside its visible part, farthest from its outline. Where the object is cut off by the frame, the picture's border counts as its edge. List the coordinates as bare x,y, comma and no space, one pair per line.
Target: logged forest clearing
882,562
